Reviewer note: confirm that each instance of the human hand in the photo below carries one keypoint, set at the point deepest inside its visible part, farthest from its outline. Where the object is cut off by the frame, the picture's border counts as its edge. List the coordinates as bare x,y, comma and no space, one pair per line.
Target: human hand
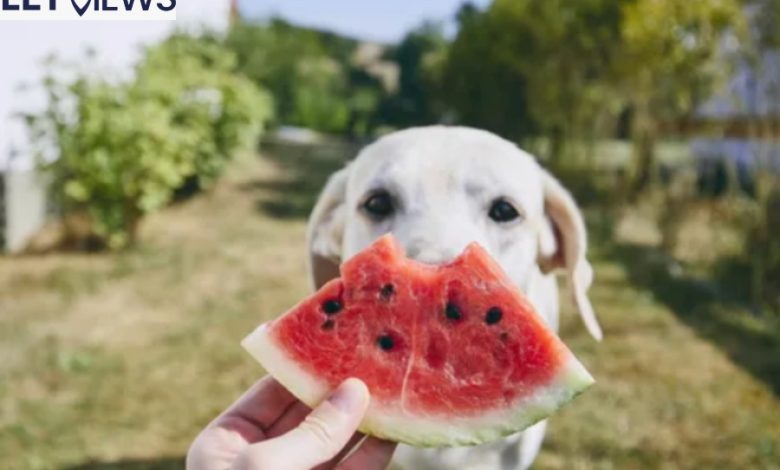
269,429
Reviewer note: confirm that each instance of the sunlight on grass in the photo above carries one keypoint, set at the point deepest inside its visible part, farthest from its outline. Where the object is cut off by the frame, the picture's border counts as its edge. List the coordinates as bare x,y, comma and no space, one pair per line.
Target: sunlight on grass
116,361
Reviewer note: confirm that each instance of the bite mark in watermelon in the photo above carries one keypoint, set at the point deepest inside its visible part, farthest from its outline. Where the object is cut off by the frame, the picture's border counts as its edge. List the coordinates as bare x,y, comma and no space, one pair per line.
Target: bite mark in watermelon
452,354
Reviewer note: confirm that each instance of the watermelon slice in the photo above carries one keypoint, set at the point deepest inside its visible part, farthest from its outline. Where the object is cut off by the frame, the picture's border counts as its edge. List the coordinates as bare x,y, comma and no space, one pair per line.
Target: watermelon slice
452,354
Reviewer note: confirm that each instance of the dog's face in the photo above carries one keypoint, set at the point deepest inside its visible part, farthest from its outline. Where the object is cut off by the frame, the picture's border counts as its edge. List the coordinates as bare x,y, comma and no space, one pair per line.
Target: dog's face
437,194
438,189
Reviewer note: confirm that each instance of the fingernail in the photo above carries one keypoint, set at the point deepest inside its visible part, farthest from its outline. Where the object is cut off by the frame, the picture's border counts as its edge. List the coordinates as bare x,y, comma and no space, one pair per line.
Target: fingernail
351,395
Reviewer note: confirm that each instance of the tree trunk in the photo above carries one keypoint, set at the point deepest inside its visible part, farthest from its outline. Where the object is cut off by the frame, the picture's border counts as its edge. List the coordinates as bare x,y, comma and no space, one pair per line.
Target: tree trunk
644,138
557,145
133,216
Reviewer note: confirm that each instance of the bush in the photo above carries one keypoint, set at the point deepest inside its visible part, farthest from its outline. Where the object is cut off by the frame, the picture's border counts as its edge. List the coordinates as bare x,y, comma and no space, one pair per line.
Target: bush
762,247
320,101
121,148
319,79
733,236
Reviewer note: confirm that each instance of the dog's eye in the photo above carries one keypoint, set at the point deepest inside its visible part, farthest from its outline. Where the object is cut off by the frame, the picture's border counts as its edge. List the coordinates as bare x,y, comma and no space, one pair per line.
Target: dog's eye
502,211
379,205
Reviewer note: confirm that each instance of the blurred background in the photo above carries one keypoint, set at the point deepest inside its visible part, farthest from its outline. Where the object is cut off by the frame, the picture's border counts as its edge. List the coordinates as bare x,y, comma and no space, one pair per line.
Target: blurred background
156,179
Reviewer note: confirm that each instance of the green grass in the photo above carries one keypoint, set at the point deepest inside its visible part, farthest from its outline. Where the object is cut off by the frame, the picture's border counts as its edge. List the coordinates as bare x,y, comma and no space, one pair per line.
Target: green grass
116,361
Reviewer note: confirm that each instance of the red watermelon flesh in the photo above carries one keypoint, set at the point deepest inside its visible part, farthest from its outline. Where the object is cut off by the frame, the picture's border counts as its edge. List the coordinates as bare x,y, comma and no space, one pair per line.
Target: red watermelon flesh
452,354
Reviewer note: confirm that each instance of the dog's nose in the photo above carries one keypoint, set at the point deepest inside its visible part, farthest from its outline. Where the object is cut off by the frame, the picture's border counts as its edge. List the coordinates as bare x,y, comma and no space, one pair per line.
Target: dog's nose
430,255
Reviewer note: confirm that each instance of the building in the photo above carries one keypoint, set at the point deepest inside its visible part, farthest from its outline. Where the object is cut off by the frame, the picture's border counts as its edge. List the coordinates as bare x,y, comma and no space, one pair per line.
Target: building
745,114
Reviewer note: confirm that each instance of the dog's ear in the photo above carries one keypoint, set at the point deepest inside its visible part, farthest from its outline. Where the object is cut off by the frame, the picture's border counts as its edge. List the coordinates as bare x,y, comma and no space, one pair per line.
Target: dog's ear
563,246
325,231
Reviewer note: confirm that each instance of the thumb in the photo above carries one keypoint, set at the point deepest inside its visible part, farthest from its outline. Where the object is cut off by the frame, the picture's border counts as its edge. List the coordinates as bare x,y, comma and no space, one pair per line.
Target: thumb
319,438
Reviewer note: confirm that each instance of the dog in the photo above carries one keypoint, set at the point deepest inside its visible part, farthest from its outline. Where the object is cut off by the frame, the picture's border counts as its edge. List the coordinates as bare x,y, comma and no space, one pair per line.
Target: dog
437,189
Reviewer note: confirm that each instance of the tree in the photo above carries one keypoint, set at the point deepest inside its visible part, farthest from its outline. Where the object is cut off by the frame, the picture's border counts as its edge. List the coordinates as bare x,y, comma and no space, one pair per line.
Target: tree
479,85
420,56
319,97
767,21
525,67
271,54
310,74
672,58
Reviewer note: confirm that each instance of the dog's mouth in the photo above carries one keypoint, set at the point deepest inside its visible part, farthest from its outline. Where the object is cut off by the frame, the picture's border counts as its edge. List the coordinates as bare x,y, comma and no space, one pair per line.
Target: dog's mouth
435,259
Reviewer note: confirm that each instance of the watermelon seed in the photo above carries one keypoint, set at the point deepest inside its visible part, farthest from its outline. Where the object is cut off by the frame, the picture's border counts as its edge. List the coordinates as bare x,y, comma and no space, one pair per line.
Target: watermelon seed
385,342
328,325
331,307
452,312
493,316
386,292
504,336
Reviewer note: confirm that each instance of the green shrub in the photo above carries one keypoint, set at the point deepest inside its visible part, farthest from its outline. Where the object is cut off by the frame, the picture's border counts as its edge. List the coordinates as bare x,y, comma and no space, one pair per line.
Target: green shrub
762,246
319,101
121,148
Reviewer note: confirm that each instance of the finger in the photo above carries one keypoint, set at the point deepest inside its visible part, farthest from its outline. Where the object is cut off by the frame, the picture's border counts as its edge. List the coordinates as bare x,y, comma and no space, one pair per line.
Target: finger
260,406
291,418
241,424
354,441
373,454
294,416
319,438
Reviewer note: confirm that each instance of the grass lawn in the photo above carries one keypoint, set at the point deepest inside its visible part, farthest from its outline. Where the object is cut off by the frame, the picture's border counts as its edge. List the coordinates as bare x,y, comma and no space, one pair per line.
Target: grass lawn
116,361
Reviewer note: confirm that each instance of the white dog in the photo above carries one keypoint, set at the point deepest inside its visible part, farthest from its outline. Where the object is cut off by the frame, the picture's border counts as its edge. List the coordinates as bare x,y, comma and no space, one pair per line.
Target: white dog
437,189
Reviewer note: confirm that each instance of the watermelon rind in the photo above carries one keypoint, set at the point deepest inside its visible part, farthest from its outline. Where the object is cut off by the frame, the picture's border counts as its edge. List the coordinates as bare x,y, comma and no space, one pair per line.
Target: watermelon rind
396,424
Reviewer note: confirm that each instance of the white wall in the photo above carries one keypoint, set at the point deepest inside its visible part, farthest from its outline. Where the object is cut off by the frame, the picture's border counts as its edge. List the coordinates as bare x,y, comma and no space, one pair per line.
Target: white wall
25,208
